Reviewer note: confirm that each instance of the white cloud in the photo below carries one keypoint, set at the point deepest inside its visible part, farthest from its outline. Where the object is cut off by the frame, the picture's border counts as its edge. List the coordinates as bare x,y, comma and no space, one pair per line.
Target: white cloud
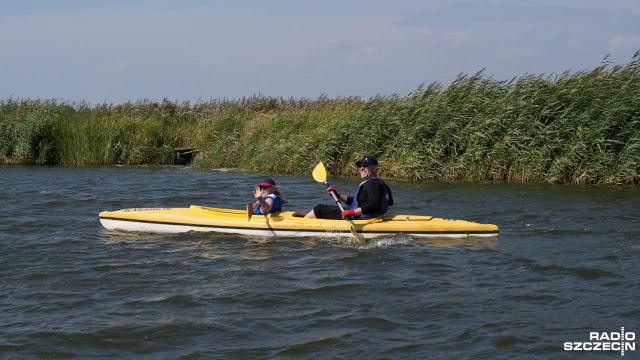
623,43
121,64
369,54
456,37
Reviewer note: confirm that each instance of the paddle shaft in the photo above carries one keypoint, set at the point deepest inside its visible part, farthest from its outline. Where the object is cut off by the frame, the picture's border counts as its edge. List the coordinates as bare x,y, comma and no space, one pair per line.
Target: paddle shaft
333,194
320,175
351,227
249,211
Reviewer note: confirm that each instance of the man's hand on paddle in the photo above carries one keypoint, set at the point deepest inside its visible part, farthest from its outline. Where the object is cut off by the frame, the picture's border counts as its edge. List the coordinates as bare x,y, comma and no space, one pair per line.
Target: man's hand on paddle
348,213
331,189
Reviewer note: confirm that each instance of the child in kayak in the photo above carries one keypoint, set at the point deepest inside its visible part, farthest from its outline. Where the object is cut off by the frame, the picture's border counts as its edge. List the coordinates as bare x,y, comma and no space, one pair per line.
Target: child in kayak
268,198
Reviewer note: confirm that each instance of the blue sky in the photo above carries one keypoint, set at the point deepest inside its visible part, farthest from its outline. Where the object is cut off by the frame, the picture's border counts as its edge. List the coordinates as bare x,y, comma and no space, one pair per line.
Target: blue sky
189,50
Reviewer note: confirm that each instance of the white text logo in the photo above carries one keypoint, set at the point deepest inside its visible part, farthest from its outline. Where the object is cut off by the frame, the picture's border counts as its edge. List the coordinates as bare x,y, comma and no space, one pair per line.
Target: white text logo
612,341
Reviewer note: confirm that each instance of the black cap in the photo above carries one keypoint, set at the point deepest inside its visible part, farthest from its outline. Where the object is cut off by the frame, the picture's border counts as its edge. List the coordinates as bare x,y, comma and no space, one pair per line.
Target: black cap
367,160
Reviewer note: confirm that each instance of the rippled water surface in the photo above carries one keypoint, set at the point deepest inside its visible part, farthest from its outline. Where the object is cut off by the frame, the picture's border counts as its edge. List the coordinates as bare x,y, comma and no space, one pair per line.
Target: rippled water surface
566,263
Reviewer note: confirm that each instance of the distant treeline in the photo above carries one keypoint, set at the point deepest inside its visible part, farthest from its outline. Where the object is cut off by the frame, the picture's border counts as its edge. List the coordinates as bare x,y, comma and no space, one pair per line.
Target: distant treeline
579,128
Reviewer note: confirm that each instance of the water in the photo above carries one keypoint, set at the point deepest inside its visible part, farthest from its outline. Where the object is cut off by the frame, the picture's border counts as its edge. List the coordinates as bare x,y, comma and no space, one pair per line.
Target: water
565,264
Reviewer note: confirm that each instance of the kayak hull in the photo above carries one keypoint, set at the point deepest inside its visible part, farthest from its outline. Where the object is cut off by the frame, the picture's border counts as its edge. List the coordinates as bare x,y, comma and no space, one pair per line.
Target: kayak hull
284,224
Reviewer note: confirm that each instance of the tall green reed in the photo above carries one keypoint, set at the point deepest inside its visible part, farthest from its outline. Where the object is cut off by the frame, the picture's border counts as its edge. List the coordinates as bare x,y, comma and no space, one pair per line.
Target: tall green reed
581,127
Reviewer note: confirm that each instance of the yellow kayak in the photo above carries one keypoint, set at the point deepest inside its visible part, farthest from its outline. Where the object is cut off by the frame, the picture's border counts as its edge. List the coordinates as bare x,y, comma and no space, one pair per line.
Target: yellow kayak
284,223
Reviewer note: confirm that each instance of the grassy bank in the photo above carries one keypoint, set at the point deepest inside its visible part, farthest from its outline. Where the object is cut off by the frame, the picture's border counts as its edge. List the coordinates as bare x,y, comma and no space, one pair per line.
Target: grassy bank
578,128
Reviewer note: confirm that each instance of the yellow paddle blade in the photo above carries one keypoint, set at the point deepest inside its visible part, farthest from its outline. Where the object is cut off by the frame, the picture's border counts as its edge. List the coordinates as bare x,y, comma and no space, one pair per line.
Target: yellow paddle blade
319,173
359,239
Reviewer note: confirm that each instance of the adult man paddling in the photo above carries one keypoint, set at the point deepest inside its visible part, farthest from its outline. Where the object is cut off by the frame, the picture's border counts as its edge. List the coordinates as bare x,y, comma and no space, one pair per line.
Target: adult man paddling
372,198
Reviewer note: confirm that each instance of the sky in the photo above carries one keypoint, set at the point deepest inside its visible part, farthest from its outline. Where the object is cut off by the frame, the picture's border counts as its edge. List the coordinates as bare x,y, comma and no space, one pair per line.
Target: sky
116,51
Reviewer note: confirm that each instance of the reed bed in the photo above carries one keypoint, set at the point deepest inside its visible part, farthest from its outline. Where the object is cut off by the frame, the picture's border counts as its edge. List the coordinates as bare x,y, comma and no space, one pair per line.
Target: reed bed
571,128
